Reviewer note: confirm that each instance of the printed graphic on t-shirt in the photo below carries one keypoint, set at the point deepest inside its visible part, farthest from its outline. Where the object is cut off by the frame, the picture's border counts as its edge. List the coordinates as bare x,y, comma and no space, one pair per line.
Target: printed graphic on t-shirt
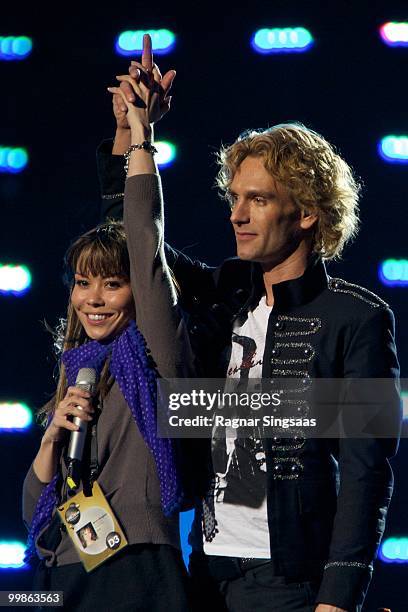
239,463
248,356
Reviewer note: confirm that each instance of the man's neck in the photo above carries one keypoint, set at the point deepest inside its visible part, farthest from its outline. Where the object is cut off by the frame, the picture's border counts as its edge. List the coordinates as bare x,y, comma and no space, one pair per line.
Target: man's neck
290,268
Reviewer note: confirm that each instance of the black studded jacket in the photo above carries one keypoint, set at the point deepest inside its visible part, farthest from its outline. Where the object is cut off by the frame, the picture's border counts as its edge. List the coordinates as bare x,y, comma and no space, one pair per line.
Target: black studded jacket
327,498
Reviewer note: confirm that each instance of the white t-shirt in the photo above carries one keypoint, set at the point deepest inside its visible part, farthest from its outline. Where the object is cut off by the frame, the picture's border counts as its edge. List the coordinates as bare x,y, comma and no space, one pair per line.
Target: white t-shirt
239,463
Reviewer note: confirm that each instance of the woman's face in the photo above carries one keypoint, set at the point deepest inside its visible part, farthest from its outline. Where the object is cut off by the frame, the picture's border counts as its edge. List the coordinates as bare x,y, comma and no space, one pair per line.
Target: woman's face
87,534
104,306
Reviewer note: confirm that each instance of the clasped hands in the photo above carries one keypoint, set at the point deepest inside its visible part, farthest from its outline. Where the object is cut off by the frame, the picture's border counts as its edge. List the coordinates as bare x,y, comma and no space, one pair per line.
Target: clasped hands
143,95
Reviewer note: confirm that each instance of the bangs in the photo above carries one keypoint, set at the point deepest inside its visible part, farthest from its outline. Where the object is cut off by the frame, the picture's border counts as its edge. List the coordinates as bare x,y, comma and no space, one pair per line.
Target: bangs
96,260
98,253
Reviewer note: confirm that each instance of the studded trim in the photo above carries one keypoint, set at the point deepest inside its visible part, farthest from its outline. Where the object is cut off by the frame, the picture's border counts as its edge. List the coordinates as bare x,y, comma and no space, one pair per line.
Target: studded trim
302,406
295,402
314,324
304,379
294,373
308,352
338,285
358,564
299,439
112,196
280,463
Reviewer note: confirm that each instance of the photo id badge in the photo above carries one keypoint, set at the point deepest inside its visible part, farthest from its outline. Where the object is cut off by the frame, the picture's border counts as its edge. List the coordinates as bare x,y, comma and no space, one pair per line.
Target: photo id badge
93,528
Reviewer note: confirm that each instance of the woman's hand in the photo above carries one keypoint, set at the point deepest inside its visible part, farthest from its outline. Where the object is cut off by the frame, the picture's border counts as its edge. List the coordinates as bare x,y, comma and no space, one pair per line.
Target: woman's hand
76,403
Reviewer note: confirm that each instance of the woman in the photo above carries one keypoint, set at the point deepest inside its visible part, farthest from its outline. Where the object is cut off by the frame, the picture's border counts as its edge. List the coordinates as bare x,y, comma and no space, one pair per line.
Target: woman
118,273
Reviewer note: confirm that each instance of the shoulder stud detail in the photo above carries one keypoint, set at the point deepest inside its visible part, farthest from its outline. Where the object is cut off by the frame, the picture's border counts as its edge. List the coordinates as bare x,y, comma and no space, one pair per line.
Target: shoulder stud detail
338,285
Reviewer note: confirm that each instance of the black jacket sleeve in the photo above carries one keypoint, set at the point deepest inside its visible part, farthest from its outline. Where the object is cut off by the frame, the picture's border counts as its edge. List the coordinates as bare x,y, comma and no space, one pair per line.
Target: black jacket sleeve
366,479
112,177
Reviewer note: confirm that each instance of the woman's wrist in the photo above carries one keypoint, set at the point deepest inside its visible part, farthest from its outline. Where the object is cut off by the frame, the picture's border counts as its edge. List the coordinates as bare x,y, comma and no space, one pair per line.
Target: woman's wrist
45,464
140,133
52,437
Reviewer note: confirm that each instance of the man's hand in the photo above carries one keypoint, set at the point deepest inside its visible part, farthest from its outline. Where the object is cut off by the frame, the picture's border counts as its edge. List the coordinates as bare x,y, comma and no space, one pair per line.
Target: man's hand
120,112
328,608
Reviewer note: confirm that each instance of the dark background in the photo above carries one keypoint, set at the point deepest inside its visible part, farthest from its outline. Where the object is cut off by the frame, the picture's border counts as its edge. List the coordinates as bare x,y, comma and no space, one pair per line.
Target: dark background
350,87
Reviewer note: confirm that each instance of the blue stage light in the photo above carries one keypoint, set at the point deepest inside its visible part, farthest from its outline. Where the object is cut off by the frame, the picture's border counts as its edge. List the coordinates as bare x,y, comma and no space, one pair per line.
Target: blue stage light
166,153
131,41
185,522
282,40
395,34
14,416
12,555
15,47
14,279
394,550
13,159
394,149
394,272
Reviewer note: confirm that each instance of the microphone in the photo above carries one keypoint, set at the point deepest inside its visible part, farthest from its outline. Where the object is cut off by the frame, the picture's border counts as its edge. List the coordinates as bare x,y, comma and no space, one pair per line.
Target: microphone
86,380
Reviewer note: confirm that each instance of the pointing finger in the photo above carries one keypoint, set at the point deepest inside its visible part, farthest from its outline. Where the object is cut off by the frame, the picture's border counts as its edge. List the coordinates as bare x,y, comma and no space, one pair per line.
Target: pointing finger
147,55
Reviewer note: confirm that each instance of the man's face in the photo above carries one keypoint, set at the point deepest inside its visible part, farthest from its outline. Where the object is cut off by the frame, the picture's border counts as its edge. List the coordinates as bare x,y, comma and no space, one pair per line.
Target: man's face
267,223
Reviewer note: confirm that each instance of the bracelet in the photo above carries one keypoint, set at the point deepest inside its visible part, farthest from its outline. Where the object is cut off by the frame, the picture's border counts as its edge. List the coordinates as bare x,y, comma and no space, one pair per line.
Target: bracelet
112,196
145,146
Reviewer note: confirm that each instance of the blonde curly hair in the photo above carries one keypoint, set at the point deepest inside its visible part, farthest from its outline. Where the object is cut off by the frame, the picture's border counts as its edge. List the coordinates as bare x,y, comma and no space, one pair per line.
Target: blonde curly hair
317,178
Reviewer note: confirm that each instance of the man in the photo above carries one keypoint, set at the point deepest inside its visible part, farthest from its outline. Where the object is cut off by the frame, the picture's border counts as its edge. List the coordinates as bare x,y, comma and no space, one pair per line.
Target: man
288,523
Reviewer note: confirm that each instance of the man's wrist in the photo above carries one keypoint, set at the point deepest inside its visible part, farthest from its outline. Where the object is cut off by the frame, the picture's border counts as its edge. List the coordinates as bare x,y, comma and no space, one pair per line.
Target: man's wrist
121,141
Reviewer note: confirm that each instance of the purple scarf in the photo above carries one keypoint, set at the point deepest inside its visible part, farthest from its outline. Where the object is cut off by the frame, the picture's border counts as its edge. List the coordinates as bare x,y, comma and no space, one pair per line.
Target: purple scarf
136,378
